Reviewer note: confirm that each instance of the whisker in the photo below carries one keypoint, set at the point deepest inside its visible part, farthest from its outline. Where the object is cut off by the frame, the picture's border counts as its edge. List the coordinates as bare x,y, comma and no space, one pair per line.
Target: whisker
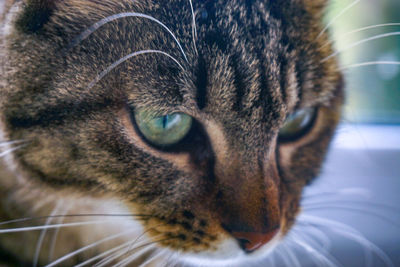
348,191
8,151
376,37
134,256
129,248
354,209
194,29
361,30
285,259
370,63
55,235
110,251
168,262
323,258
353,202
43,234
321,237
350,233
76,252
7,143
125,58
271,258
52,226
108,19
152,258
337,17
26,219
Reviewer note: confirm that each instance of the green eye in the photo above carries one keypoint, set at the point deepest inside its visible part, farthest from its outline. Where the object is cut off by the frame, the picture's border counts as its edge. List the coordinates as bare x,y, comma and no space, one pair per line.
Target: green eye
297,124
163,130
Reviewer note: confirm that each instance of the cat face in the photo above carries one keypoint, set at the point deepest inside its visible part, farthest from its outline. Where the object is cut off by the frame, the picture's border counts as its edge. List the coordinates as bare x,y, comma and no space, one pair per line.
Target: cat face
209,128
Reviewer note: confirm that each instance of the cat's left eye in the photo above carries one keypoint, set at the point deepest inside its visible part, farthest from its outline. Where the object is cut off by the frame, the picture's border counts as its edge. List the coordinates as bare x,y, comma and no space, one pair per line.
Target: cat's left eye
297,124
163,130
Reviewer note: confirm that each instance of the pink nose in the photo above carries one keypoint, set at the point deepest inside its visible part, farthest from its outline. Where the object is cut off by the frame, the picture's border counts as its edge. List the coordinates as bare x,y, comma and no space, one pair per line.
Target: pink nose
251,241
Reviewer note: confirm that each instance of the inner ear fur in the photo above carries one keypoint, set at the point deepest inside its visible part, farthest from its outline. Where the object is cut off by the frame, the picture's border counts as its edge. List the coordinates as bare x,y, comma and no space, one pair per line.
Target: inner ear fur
35,14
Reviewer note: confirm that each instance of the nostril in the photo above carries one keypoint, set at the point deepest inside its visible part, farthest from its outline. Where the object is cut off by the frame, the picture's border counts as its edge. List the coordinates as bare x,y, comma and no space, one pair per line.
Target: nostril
243,243
251,241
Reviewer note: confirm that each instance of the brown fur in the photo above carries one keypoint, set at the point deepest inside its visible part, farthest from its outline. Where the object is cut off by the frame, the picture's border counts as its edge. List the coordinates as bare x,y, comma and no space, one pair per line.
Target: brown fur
255,64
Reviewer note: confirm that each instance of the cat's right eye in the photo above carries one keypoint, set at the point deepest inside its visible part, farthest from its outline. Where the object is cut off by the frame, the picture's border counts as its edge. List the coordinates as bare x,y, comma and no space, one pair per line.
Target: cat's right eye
297,124
163,130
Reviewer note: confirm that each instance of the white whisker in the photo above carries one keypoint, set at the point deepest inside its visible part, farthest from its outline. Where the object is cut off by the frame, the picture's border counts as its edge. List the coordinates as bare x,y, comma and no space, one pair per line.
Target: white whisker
321,237
7,143
271,258
8,151
69,215
152,258
364,211
105,253
135,255
376,37
76,252
125,58
280,251
55,235
53,226
291,255
371,63
43,234
361,30
352,234
348,191
103,21
312,251
167,261
337,17
194,29
129,248
352,202
119,254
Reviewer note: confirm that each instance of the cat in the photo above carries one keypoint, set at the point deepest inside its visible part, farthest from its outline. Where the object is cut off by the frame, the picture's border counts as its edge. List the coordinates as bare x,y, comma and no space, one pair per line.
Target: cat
160,132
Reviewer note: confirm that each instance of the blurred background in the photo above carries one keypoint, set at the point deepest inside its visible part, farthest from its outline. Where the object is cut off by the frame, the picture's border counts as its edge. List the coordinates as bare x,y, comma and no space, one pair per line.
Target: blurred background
373,91
351,214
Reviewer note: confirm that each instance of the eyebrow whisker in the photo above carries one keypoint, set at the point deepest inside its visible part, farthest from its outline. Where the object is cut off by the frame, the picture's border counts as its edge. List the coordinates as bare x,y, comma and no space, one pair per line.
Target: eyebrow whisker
125,58
194,29
108,19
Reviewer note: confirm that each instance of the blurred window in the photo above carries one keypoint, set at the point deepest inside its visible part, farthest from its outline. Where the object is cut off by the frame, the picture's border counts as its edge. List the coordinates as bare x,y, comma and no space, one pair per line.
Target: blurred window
373,92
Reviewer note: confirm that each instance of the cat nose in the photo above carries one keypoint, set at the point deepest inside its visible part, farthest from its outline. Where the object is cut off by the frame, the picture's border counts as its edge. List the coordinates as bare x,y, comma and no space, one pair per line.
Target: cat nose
251,241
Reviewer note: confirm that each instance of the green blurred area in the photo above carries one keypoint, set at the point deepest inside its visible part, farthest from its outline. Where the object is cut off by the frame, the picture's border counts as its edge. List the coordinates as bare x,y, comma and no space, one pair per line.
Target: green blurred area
373,92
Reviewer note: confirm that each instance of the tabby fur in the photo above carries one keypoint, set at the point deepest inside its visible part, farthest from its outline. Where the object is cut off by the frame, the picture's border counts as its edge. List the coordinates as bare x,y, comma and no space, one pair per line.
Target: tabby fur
245,67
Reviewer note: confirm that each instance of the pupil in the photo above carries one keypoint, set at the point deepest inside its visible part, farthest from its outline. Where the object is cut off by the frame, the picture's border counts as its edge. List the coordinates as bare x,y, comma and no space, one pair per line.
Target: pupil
164,121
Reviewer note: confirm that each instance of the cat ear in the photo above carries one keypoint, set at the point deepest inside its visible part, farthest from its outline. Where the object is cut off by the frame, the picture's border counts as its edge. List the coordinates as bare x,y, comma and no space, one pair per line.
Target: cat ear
35,14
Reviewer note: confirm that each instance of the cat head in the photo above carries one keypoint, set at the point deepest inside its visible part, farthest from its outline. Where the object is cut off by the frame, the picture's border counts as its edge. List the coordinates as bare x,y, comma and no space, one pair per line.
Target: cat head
209,123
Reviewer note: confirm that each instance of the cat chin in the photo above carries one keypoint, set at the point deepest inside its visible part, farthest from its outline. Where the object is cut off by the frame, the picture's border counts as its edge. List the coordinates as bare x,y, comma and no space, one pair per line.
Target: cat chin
228,253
